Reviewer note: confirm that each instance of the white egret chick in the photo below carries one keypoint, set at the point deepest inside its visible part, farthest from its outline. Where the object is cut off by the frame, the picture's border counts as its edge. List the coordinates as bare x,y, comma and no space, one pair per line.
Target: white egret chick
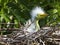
37,13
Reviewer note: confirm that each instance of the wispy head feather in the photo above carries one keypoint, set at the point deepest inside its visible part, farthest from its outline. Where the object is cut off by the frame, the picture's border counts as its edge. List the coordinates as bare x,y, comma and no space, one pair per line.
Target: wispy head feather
35,11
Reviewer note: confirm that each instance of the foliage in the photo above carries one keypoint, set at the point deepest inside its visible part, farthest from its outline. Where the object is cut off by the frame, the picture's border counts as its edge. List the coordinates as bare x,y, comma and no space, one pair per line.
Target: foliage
18,11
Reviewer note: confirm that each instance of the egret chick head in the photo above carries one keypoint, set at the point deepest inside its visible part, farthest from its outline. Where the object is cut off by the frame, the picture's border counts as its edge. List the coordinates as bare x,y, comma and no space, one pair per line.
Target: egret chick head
37,11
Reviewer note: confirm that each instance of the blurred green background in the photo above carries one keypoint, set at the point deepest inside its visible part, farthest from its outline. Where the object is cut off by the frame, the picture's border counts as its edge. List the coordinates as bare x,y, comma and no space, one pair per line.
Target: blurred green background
18,12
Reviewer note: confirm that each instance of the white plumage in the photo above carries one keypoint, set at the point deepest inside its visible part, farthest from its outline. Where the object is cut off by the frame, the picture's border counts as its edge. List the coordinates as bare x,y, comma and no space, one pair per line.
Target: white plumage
35,11
31,26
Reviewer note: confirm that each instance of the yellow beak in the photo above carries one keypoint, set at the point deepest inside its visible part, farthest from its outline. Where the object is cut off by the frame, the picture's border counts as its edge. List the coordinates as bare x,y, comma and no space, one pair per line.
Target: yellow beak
41,16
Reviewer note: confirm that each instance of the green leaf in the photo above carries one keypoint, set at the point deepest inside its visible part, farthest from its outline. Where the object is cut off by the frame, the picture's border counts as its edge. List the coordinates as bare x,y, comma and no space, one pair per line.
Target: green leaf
5,16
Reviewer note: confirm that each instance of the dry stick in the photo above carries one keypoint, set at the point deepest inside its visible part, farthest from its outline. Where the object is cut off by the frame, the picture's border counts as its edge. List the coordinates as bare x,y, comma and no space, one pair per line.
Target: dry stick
8,28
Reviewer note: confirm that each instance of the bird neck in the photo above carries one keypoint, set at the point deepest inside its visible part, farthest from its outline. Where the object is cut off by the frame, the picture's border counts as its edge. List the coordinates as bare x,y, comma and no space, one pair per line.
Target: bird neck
37,25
